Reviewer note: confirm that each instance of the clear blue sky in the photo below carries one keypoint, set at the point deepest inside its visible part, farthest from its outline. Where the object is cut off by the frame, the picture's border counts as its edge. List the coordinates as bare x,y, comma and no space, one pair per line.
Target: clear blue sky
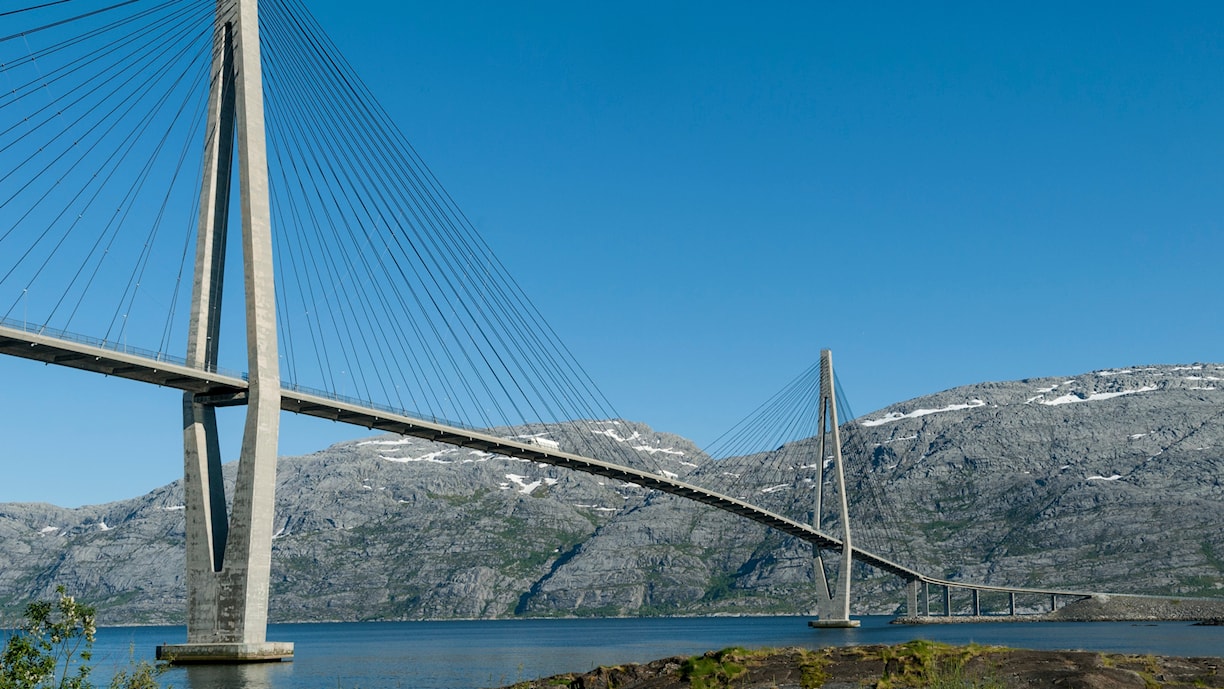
700,196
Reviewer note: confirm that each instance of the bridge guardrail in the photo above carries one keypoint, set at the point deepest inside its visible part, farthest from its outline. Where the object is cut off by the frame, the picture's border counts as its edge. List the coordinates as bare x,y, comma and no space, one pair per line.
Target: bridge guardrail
120,347
375,406
162,357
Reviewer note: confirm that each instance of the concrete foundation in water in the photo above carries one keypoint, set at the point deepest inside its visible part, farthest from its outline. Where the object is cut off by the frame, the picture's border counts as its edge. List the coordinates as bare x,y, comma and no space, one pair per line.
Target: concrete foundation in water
266,652
833,624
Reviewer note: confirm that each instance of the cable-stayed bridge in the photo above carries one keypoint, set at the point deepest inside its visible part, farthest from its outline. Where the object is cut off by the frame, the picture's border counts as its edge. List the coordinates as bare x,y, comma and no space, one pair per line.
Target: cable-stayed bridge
151,149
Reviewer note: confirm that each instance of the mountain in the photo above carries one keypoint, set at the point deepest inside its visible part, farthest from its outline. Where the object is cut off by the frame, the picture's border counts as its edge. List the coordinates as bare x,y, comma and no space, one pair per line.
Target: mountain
1106,481
1109,480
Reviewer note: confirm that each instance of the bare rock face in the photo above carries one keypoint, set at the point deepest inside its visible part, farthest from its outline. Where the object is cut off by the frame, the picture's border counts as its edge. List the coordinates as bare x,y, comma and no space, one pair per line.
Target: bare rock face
1104,481
915,664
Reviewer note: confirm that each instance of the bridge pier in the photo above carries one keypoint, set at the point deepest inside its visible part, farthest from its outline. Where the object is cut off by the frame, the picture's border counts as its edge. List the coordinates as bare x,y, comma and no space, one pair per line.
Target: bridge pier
911,598
947,600
833,606
977,604
1011,603
229,558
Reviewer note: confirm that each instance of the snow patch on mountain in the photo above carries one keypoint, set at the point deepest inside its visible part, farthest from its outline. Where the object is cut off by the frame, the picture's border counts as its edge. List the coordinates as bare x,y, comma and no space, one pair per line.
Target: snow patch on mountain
654,450
524,487
1073,398
900,440
597,508
397,441
895,416
615,436
428,457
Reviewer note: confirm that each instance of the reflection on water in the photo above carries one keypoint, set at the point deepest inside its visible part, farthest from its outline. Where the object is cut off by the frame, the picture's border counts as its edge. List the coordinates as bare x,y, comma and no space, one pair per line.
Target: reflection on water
473,654
249,676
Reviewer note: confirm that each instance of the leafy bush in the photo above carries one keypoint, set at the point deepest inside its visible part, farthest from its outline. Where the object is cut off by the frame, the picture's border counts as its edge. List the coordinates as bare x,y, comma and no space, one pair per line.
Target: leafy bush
53,646
715,668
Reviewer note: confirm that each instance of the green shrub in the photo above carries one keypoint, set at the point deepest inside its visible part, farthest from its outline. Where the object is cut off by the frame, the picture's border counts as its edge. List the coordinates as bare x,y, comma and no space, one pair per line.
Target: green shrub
52,647
714,669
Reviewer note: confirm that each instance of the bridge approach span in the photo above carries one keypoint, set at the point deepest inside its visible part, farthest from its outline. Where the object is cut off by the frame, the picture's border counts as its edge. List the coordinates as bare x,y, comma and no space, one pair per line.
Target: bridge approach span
221,388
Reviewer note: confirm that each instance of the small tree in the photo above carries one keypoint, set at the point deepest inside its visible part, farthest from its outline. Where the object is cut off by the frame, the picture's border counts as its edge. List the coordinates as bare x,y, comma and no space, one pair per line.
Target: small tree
52,647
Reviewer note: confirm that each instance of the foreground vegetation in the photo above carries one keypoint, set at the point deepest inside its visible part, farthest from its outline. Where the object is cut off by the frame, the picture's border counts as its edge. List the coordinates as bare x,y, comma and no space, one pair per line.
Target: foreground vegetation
919,663
53,646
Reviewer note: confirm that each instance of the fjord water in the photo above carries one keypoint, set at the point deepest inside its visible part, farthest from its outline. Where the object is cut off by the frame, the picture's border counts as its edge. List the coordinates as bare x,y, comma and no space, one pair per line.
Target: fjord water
472,654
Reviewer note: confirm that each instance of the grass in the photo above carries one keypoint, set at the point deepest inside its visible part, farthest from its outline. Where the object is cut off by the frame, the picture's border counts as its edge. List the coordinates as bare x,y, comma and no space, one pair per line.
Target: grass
813,669
934,665
717,668
927,664
1213,558
954,677
719,587
920,663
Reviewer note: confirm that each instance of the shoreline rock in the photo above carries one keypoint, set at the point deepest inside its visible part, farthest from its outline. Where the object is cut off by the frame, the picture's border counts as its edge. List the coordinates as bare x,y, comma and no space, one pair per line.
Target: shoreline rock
913,664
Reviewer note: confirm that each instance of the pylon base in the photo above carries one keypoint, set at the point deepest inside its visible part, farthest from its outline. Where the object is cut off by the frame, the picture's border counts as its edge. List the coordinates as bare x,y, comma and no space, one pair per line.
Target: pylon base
833,624
267,652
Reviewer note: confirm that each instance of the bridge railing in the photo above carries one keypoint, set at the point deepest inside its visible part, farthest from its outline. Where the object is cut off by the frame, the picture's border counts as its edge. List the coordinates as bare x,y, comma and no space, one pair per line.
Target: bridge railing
110,345
373,406
41,330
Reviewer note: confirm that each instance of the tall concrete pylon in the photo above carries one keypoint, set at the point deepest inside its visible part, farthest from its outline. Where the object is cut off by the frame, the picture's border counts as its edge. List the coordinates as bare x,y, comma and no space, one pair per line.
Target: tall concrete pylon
229,555
833,602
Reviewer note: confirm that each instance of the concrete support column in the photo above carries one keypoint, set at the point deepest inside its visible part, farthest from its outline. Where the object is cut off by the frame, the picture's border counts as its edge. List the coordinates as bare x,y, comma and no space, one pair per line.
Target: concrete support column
833,602
229,564
926,599
1053,602
947,600
1011,603
911,598
977,604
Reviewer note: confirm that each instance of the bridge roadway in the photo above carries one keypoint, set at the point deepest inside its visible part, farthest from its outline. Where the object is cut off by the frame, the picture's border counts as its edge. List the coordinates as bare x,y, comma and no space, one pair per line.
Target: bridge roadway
226,388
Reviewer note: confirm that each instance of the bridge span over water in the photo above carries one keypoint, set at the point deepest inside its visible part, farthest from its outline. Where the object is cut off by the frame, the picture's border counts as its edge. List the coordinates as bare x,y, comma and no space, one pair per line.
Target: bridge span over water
131,132
223,388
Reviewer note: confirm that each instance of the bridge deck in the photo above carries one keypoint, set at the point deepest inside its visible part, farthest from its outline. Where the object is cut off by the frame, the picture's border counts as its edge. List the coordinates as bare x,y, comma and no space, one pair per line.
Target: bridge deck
147,367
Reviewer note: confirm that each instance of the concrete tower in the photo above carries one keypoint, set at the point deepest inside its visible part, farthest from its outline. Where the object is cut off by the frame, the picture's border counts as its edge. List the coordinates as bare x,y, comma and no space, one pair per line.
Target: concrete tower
833,602
229,555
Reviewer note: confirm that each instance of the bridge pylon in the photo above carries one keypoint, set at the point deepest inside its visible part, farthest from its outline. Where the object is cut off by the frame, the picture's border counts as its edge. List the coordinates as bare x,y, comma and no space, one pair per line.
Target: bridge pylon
229,554
833,598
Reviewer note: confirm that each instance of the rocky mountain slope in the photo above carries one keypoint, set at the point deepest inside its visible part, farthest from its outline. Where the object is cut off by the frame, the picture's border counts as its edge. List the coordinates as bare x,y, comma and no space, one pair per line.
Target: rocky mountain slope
1108,480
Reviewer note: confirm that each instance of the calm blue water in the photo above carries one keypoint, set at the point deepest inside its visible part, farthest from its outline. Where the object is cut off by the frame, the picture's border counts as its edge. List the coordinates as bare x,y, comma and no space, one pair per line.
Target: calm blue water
472,654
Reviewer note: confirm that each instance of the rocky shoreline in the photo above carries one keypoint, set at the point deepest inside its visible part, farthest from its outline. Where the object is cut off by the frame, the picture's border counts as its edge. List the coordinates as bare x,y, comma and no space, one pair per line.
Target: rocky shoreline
914,664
